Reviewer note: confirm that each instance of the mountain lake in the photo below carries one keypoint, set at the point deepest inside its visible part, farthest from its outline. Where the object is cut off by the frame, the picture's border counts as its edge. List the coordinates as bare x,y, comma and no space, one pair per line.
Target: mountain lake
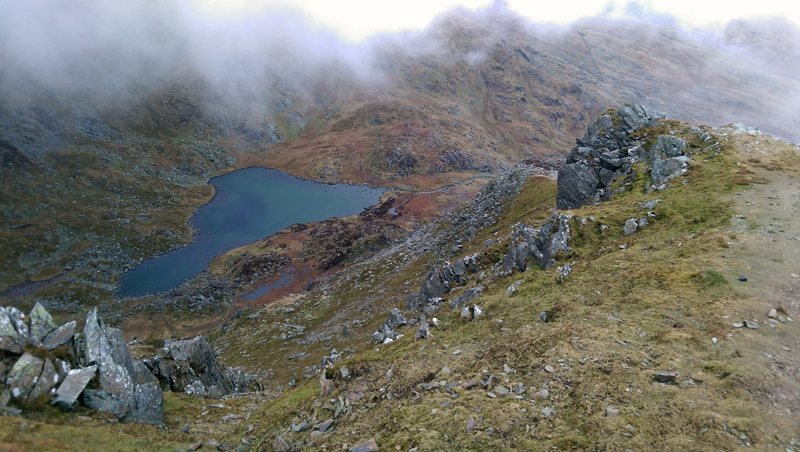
248,205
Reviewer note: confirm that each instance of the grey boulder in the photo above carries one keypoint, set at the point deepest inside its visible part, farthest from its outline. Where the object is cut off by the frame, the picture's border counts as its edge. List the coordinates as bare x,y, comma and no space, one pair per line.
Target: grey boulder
72,386
667,146
105,401
630,227
395,319
150,403
59,336
23,376
98,350
47,380
42,323
13,330
577,185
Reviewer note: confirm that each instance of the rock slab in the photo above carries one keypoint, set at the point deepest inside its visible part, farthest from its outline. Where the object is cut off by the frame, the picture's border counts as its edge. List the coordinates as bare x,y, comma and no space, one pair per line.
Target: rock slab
72,386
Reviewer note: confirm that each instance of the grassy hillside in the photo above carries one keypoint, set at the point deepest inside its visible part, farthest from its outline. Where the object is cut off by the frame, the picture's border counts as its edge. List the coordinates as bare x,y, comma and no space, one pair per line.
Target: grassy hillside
664,299
632,306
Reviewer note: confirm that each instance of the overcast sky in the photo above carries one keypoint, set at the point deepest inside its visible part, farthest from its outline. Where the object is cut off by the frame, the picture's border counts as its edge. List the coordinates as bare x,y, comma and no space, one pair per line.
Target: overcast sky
359,19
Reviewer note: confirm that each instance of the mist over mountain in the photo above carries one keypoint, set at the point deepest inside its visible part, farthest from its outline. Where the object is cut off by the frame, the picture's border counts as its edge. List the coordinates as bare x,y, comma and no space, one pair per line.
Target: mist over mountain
107,52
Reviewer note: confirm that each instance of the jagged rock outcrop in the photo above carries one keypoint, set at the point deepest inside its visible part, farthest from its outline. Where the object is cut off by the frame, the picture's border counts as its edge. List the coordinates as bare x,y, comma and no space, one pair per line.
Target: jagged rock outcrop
387,331
439,282
607,152
23,376
100,372
577,185
540,245
59,336
468,295
190,366
13,330
42,324
395,319
667,159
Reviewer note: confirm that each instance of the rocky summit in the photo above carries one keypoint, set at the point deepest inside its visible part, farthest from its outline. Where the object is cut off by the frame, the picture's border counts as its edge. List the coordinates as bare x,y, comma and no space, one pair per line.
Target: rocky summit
575,238
602,164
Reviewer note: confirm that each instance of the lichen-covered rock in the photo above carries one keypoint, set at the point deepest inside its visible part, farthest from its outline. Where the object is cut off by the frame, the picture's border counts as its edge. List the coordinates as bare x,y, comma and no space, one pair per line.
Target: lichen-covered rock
395,319
637,116
553,238
98,349
630,227
517,257
10,344
42,323
424,332
413,302
667,159
378,336
142,374
59,336
665,169
667,146
13,330
239,380
608,152
23,376
6,326
160,370
72,386
541,245
115,379
325,386
433,287
47,380
119,350
468,295
383,332
193,367
150,403
124,382
17,318
62,369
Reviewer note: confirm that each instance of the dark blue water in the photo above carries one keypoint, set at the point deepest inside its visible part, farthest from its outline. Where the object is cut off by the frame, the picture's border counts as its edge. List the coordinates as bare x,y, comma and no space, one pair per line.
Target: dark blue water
248,205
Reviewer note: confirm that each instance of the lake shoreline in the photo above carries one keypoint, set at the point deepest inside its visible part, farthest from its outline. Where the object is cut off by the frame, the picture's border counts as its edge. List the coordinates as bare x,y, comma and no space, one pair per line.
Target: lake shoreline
335,200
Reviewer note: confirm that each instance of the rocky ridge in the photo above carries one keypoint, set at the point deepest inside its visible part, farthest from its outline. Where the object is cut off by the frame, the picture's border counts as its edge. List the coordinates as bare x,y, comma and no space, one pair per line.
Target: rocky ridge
604,156
602,164
634,352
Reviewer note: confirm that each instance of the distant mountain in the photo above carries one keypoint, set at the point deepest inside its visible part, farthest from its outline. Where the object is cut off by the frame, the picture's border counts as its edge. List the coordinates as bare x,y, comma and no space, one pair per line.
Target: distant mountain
476,91
105,156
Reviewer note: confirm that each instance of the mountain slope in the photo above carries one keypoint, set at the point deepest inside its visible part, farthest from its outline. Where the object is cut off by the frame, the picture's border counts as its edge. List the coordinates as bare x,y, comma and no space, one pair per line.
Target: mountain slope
475,93
641,345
